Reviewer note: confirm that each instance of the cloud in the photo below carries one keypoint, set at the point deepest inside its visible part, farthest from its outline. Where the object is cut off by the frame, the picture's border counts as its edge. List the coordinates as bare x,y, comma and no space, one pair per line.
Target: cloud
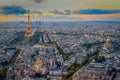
86,11
56,12
35,12
96,11
68,12
6,10
65,12
39,1
95,16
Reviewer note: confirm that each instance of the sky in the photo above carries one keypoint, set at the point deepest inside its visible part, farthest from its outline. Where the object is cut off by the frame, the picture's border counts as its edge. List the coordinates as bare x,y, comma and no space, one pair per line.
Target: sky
60,10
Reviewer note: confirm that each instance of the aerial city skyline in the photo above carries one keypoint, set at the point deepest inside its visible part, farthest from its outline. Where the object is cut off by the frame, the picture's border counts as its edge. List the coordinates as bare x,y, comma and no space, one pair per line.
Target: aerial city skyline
60,10
59,40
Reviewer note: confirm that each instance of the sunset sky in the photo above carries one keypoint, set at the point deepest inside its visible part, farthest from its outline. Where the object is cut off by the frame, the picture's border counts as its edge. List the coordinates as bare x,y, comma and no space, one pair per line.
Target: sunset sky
60,10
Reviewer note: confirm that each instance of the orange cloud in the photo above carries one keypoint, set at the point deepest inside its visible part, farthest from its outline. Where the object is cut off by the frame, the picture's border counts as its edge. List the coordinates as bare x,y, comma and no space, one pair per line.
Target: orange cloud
38,17
4,18
102,16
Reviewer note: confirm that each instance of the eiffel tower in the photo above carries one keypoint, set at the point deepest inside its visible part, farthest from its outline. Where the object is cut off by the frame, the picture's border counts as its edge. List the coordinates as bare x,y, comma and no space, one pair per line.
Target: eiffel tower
28,32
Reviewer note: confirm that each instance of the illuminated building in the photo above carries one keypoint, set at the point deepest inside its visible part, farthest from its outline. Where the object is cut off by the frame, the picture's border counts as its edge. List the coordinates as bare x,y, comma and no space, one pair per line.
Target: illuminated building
28,32
38,64
107,43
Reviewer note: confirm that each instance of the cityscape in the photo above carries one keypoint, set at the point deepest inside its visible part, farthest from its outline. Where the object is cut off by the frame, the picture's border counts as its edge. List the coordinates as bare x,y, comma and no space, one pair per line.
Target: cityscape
59,48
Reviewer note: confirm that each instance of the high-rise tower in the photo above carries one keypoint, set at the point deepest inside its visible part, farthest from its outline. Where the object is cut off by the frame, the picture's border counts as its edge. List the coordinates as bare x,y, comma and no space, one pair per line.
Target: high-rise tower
28,32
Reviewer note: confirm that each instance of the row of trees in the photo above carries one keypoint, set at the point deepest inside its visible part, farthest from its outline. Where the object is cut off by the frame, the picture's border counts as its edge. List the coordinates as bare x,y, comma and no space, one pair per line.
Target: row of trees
4,70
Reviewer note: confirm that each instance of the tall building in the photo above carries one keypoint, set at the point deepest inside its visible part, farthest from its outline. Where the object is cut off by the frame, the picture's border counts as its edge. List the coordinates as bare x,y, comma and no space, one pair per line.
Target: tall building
107,43
28,32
